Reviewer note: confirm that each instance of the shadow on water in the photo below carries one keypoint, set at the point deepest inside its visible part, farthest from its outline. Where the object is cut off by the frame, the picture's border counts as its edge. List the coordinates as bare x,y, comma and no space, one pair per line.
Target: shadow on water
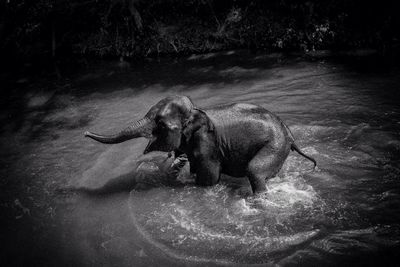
123,183
29,113
223,68
214,68
155,169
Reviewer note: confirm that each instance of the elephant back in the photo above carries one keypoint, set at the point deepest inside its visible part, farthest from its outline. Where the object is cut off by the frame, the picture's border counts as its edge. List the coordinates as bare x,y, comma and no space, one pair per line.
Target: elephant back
246,125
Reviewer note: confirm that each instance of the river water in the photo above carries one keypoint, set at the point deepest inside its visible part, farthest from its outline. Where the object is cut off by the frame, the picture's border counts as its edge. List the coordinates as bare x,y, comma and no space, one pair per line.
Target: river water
344,113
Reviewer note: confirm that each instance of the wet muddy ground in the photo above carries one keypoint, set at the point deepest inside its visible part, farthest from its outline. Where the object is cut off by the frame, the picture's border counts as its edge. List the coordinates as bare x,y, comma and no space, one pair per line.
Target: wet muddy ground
343,112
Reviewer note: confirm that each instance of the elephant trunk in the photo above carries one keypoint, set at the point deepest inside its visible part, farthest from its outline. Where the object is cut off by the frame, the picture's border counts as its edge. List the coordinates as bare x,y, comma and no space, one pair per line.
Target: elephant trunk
141,128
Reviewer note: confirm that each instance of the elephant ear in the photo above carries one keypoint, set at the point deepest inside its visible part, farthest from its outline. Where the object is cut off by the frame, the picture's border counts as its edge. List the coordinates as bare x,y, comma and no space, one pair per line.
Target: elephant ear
210,126
189,128
196,121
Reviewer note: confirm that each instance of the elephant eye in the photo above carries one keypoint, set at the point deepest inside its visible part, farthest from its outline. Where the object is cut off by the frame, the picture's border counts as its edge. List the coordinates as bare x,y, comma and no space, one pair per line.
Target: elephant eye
165,125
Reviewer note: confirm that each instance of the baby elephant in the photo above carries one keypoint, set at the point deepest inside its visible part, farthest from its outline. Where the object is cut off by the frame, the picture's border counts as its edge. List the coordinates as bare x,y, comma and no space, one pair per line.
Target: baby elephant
236,139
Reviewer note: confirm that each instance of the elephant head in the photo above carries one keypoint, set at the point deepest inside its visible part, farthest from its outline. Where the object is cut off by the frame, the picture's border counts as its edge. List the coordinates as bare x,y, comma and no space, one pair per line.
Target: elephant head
162,124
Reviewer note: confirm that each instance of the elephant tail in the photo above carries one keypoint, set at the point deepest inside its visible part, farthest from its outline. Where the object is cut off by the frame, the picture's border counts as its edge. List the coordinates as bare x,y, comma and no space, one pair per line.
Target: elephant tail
294,147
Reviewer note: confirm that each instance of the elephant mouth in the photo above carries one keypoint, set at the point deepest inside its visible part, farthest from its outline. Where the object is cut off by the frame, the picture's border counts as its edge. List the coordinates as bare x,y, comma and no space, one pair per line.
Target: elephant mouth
154,145
148,147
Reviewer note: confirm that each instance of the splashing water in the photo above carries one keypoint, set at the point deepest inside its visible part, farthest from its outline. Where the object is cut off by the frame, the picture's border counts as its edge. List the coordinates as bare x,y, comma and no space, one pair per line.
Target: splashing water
217,224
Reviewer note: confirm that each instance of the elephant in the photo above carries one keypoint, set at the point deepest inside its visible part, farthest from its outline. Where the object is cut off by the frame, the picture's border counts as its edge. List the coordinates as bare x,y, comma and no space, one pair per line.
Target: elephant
236,139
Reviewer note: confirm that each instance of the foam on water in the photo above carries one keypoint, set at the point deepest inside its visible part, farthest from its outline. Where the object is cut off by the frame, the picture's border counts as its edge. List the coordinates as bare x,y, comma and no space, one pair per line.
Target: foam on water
215,224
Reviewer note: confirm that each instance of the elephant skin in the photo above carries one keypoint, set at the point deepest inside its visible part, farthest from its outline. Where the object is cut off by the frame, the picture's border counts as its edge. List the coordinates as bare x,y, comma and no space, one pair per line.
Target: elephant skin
236,139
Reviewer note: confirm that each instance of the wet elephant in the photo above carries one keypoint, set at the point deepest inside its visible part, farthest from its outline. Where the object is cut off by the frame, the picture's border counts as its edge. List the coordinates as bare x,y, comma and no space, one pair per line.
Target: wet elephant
236,139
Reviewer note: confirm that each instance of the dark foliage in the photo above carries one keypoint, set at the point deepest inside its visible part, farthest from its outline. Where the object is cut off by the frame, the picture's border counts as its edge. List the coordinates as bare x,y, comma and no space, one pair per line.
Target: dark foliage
39,29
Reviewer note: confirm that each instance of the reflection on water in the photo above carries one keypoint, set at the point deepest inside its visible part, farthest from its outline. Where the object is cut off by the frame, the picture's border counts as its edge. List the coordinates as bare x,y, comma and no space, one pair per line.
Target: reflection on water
346,211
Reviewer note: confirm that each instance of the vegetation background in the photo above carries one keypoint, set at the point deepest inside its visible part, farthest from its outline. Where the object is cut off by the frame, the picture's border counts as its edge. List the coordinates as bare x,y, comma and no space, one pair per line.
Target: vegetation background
45,30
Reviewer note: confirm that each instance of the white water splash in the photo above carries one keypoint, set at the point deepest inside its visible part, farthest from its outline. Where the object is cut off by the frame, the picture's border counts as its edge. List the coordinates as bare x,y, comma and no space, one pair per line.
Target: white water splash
214,224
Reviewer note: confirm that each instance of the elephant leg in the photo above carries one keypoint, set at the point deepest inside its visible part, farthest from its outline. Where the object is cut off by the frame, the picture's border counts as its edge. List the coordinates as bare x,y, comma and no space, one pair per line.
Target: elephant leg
208,171
264,165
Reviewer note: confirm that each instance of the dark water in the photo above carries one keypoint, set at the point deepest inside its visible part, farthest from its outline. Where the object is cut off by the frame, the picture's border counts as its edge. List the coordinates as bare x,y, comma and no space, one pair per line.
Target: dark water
347,211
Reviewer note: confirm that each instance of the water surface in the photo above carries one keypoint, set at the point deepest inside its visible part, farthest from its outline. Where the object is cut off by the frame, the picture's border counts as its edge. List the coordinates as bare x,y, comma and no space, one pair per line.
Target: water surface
344,114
